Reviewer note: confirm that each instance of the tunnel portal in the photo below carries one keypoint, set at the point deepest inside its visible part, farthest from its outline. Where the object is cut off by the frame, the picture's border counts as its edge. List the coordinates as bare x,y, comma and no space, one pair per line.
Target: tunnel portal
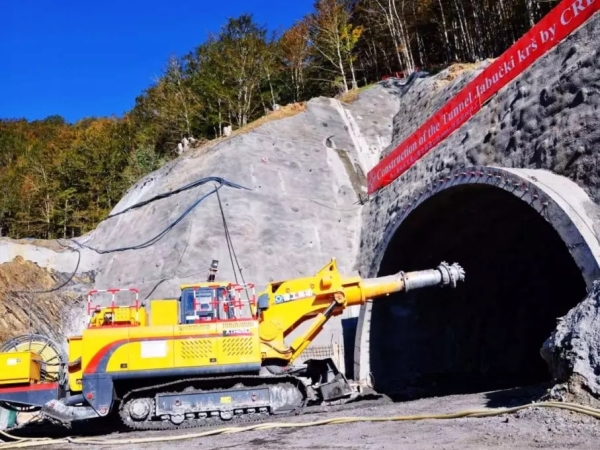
486,334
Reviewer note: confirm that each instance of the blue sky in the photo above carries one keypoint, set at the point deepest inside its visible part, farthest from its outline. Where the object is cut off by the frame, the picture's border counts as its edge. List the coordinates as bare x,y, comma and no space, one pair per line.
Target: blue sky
82,58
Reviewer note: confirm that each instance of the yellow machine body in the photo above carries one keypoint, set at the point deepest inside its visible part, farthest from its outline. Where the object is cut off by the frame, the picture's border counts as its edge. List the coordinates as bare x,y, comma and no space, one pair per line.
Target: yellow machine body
75,344
162,345
178,359
164,312
20,368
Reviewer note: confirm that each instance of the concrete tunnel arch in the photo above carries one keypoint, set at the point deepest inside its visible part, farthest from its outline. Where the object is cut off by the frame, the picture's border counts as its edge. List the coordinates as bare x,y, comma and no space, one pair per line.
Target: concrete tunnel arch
528,242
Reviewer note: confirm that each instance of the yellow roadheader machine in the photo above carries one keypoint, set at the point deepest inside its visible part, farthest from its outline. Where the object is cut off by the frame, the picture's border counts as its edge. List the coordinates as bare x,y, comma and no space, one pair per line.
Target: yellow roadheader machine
215,353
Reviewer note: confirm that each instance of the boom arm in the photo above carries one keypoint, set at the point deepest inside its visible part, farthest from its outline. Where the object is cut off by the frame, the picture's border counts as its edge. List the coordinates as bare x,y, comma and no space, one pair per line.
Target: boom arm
286,305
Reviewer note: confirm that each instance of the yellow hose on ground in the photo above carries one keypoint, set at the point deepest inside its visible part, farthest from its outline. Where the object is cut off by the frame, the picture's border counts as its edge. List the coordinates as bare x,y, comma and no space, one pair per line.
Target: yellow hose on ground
472,413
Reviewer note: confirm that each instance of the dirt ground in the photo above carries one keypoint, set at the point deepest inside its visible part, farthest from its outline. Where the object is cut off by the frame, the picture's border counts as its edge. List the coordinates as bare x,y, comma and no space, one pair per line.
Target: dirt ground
18,275
23,311
536,428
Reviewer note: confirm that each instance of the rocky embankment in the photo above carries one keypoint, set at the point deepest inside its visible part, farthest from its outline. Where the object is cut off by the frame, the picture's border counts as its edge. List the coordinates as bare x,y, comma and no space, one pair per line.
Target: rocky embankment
23,310
572,353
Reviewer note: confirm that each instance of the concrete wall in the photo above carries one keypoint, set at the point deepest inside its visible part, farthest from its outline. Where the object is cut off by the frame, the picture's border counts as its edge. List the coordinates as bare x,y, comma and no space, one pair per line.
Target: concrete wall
305,173
561,202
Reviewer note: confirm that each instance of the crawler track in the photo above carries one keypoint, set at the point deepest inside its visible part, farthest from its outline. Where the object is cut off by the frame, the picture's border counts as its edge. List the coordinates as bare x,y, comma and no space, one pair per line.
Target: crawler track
51,428
255,382
111,424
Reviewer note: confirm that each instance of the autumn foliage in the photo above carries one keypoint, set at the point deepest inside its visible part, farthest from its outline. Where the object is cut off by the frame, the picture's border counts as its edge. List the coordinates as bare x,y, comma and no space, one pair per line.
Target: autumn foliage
59,179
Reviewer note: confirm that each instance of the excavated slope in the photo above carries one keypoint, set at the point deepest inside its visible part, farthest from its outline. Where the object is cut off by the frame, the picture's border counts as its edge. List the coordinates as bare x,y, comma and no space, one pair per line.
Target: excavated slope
22,311
305,174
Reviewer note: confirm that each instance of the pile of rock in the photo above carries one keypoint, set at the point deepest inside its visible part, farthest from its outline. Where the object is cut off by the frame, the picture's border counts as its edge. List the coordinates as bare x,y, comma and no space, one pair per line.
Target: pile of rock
572,353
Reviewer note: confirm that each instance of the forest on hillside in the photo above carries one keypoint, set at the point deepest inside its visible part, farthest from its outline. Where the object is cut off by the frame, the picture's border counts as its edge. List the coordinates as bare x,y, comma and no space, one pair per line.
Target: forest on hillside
59,179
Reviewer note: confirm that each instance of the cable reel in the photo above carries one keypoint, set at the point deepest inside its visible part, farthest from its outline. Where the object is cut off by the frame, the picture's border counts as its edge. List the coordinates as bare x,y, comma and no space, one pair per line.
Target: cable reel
53,362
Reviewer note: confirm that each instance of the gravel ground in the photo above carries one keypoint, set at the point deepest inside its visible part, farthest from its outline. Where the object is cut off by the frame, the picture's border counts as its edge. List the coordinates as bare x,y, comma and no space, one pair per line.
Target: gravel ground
536,428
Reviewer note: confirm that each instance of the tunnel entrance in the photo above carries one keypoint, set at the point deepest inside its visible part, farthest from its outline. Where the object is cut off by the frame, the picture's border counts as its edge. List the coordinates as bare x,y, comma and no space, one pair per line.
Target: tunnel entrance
487,333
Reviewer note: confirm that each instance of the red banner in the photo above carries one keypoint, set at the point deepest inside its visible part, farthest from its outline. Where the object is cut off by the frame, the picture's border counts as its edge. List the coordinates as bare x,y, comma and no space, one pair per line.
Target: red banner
553,28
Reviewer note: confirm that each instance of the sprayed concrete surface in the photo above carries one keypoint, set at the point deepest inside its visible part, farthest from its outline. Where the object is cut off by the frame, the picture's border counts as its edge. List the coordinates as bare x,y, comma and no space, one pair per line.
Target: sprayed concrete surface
527,429
305,173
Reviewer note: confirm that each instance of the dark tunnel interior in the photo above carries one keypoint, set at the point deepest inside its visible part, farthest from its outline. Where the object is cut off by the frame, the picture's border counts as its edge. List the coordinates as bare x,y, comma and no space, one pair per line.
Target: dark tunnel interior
486,334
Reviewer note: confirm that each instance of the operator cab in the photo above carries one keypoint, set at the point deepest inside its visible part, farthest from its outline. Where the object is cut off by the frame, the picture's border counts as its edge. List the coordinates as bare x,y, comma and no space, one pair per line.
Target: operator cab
215,300
205,303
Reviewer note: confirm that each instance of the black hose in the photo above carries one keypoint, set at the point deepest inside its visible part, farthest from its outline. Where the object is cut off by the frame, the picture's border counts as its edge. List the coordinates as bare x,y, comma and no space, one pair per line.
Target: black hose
201,181
160,235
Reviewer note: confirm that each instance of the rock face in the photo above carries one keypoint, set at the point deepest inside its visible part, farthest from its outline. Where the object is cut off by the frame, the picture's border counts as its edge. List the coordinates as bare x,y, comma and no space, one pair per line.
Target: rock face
52,314
572,352
546,119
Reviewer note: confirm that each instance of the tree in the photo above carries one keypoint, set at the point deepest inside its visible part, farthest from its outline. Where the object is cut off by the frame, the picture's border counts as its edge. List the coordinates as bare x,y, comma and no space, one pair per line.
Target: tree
241,48
349,36
59,179
397,27
179,99
229,69
208,79
331,36
294,52
168,111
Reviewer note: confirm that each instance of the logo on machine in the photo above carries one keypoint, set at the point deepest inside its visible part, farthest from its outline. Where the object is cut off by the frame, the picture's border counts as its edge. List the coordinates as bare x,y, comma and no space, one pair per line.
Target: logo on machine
235,332
293,296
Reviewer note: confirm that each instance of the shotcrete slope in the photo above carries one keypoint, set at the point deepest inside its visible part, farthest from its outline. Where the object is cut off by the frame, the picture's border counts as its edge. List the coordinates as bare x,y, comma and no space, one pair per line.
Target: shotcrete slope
305,174
301,211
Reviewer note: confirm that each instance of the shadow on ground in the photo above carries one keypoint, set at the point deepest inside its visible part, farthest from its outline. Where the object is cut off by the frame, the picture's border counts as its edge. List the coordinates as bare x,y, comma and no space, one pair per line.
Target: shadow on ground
510,398
111,424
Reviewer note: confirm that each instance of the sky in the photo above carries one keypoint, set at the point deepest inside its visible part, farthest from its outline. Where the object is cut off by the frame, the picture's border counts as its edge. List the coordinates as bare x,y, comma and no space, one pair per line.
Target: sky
82,58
